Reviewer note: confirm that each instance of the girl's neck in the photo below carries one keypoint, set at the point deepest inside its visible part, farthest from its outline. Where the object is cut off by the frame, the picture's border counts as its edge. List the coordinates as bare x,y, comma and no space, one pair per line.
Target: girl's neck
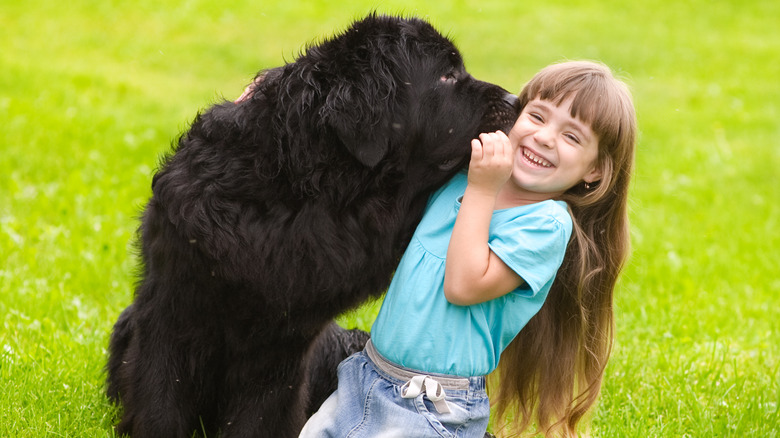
509,196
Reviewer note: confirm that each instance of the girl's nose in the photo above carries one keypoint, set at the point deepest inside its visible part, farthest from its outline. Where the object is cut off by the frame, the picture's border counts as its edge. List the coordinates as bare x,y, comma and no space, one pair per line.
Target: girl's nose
545,137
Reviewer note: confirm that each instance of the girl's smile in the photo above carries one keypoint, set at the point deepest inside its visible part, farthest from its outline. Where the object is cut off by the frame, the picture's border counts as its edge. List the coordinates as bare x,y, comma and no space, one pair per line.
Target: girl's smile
533,159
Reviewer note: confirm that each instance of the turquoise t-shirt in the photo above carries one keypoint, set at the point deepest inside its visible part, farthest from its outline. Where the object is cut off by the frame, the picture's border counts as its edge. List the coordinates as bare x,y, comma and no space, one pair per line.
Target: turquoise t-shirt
418,328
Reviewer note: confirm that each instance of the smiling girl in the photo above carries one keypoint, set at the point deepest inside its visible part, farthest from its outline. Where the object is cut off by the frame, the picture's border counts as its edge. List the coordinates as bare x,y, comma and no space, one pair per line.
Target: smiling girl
513,266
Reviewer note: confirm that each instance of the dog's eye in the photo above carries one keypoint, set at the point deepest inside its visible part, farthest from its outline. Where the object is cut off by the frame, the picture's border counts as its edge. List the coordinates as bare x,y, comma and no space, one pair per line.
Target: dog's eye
449,78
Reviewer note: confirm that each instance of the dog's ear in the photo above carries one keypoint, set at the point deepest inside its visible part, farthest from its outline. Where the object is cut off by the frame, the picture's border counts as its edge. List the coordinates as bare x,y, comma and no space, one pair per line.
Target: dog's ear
357,109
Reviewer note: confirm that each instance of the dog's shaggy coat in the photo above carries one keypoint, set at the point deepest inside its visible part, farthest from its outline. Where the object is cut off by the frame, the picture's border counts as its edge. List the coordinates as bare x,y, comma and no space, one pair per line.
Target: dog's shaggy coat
274,215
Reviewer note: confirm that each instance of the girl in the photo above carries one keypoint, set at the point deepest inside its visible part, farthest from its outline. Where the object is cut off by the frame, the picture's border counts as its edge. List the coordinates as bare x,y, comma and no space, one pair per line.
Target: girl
549,198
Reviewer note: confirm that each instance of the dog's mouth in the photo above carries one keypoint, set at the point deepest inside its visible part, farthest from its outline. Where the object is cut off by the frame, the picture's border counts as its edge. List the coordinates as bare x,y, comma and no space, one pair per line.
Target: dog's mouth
448,165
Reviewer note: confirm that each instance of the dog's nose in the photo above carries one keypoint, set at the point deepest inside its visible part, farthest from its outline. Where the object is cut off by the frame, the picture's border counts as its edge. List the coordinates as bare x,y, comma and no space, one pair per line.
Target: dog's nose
510,99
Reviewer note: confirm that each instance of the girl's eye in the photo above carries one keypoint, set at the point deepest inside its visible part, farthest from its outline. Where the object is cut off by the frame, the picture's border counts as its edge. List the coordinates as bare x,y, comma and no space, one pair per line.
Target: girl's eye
536,117
573,138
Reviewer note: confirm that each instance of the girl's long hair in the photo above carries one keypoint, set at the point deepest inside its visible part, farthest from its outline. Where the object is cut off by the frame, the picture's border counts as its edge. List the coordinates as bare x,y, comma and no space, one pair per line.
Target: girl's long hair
551,373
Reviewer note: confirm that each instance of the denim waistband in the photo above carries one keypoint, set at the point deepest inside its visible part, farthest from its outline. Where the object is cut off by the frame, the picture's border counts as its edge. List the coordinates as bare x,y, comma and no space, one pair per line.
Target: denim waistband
405,374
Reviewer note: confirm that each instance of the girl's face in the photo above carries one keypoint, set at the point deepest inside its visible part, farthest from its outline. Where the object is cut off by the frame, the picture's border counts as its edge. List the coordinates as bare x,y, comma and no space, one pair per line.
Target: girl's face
554,151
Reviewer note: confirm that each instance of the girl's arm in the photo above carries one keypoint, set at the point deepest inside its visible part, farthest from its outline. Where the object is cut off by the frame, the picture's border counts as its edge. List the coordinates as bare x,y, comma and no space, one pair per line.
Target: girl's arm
473,273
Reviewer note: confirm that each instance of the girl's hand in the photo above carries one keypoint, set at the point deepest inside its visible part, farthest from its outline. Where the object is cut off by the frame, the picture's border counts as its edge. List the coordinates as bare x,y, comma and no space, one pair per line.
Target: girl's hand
492,159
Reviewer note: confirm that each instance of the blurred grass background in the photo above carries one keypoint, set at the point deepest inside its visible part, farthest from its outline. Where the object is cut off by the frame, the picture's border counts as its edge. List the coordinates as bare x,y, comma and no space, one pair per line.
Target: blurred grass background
93,92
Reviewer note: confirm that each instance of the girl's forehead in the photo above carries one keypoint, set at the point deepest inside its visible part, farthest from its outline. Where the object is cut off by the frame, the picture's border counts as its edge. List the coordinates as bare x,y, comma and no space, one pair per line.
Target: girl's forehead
566,104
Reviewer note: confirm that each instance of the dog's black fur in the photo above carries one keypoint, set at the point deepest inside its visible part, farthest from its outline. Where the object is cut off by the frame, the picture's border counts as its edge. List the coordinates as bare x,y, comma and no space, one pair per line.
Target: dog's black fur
274,215
332,346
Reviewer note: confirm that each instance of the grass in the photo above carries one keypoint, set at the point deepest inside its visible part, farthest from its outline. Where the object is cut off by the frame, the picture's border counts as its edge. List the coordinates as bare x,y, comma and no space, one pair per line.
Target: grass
92,92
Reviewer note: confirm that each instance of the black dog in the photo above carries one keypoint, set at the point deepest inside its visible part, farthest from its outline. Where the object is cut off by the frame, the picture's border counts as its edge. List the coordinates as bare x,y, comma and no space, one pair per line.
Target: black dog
276,214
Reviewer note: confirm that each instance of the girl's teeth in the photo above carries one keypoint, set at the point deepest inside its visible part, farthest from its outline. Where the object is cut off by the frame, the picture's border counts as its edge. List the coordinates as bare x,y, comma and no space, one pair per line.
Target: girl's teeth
536,159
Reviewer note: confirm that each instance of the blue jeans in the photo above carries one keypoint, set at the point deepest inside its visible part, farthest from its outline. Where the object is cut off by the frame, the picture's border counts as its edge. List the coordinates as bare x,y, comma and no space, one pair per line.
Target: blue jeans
374,400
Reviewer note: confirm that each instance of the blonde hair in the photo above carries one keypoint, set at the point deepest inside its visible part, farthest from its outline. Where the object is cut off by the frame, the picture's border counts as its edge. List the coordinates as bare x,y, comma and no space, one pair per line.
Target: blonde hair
552,371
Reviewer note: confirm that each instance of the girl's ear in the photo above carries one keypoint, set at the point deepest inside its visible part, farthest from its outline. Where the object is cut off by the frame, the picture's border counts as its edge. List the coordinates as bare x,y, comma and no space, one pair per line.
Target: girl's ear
602,166
594,175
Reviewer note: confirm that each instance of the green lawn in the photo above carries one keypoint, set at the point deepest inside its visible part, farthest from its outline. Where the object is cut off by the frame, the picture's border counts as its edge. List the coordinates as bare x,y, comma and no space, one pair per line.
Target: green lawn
92,92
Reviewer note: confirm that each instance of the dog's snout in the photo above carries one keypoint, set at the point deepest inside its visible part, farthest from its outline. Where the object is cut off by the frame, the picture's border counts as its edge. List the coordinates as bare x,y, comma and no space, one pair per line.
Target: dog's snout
510,98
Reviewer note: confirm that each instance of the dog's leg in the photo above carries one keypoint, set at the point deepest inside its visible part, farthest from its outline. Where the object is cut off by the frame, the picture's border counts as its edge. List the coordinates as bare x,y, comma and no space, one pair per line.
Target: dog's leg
116,368
272,402
332,346
166,390
163,403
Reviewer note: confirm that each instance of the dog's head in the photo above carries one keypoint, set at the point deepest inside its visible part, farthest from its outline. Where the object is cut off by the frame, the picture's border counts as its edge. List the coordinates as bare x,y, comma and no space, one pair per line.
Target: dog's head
393,96
398,82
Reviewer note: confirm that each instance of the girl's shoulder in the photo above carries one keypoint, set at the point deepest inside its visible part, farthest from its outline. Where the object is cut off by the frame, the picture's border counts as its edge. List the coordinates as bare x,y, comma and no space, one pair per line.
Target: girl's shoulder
549,210
558,210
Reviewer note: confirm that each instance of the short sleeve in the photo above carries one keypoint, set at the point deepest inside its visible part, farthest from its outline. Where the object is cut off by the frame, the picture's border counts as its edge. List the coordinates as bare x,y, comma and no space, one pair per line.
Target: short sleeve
533,244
